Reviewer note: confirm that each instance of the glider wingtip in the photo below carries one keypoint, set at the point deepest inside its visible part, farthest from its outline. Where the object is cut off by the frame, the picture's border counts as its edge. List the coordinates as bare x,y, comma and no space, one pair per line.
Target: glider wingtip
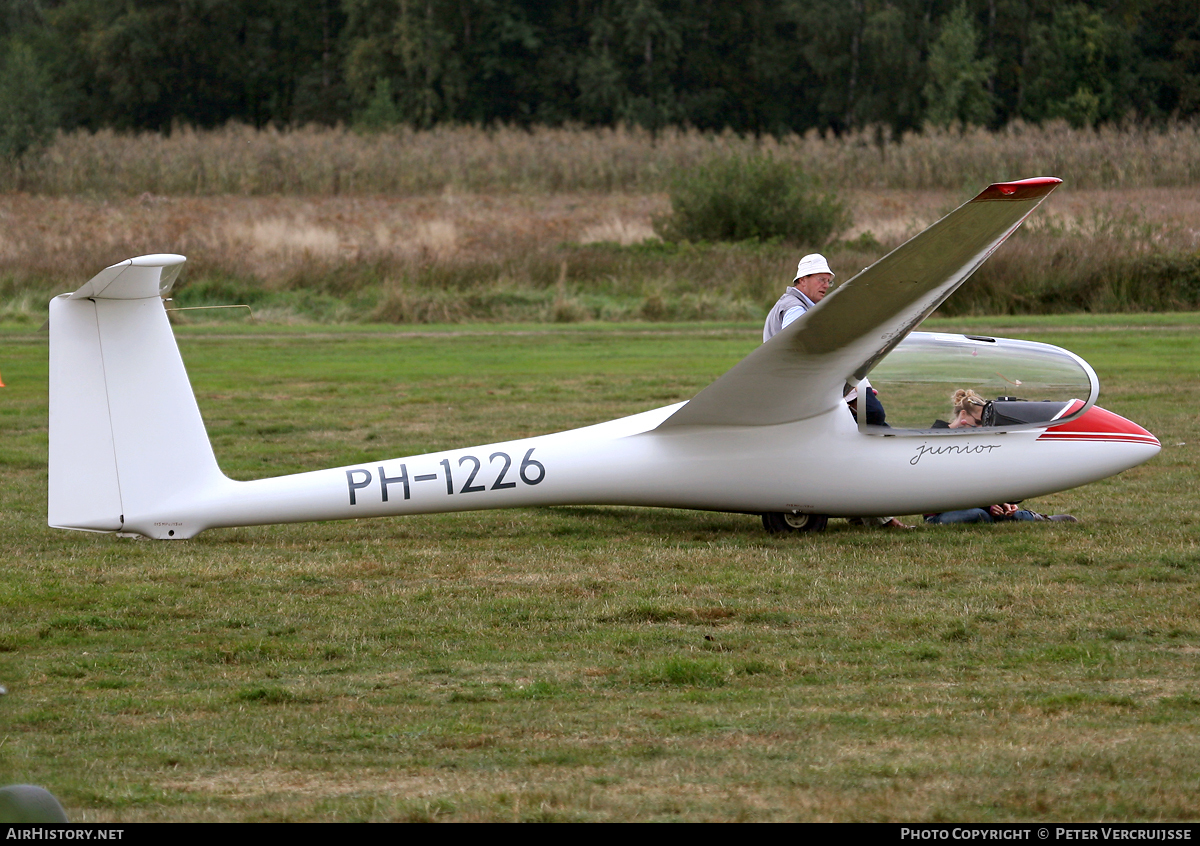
157,260
1020,189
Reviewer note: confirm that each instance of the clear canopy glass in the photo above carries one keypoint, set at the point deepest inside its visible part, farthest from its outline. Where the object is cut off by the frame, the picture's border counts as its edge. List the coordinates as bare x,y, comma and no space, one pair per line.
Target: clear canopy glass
1023,383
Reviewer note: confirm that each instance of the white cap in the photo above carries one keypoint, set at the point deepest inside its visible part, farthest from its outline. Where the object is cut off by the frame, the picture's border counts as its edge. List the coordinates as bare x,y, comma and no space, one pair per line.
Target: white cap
810,264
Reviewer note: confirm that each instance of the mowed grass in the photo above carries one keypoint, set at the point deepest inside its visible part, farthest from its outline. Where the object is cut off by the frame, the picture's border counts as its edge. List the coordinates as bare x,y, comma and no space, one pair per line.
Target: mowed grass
596,663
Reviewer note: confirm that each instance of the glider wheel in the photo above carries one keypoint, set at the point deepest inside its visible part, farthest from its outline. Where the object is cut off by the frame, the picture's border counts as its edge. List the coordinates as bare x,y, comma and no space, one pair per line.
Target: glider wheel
776,522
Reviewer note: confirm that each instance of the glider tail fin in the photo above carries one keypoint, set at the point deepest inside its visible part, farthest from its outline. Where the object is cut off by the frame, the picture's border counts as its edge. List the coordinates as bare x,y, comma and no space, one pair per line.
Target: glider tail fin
126,435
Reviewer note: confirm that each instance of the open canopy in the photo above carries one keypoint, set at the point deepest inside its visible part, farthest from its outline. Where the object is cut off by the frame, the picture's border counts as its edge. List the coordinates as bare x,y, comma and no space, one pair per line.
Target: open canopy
1026,384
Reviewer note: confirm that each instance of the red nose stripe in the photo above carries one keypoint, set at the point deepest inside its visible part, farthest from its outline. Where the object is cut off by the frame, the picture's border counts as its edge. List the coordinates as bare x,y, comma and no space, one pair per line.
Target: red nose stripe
1100,425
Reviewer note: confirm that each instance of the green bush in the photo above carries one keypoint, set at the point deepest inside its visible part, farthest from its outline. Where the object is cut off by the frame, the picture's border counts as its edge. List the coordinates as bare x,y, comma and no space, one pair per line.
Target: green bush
756,197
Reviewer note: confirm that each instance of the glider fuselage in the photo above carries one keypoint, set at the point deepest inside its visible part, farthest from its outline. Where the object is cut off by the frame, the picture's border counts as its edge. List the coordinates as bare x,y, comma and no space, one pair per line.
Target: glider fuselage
823,465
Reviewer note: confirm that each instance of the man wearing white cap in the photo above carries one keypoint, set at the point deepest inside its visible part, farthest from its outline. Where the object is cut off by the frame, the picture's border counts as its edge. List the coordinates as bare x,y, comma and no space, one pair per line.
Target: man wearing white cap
810,286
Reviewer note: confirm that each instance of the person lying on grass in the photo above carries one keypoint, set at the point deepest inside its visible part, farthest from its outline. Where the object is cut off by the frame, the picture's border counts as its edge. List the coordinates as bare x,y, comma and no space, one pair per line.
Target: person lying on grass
968,414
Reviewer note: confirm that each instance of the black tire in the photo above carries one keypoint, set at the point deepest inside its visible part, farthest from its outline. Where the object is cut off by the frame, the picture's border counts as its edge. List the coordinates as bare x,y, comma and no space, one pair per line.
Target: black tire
779,522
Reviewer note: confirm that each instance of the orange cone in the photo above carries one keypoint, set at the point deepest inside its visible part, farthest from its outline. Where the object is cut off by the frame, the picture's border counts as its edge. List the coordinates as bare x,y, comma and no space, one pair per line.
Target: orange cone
1,383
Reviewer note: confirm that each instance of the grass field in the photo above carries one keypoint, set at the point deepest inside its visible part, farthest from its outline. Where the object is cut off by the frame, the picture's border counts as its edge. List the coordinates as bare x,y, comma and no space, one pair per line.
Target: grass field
596,663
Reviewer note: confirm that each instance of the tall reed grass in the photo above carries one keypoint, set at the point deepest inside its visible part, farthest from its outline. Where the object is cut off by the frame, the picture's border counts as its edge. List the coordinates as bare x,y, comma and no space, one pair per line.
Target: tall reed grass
456,258
321,161
1109,261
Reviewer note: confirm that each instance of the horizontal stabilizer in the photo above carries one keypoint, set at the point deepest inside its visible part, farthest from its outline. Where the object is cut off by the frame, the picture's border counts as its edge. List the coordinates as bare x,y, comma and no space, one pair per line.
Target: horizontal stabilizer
134,279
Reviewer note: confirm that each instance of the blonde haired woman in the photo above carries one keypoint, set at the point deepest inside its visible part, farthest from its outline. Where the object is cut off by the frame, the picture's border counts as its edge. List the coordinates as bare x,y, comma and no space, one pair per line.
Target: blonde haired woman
968,411
968,414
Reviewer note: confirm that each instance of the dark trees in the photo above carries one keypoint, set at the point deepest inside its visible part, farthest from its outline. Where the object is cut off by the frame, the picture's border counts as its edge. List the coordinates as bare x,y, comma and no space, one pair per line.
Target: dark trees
751,65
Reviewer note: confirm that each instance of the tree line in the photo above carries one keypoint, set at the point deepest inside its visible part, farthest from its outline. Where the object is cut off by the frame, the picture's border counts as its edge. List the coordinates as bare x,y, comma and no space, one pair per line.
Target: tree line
753,66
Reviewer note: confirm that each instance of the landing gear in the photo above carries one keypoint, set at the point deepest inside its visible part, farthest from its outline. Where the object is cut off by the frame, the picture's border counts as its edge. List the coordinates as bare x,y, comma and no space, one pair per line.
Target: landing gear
776,522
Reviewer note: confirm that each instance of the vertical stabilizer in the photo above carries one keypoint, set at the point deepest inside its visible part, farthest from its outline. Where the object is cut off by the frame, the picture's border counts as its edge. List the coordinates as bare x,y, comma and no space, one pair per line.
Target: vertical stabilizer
126,435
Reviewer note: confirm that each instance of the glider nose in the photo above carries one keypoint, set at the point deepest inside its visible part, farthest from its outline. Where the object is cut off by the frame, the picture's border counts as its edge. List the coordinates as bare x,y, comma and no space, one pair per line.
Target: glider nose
1101,443
1101,425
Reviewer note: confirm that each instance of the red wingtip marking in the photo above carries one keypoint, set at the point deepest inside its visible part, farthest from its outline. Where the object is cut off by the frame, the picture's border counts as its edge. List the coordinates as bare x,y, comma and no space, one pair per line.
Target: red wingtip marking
1022,189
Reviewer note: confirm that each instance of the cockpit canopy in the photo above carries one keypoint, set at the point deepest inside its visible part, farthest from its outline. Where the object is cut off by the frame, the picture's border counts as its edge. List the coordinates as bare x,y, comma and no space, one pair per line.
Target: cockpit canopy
1025,384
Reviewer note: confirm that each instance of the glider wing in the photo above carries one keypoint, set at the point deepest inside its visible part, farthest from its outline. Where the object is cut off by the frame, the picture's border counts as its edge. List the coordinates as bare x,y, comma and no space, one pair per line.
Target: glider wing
802,371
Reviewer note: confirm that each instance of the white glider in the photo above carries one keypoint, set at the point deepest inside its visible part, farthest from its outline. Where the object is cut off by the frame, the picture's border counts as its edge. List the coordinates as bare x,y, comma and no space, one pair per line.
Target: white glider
129,452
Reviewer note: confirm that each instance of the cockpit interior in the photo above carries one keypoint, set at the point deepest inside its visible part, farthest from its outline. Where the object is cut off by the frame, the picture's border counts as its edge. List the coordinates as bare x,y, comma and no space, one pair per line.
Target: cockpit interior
1022,384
